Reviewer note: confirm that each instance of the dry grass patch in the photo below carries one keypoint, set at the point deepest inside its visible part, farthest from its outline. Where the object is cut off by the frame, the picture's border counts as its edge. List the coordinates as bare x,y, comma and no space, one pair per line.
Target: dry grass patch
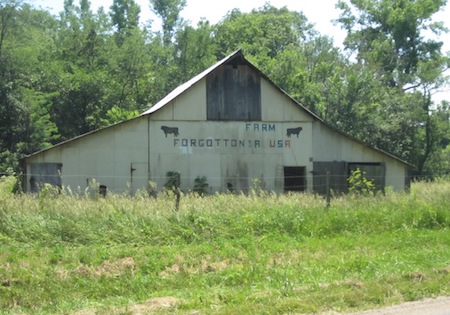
154,304
207,264
148,307
445,270
106,269
291,257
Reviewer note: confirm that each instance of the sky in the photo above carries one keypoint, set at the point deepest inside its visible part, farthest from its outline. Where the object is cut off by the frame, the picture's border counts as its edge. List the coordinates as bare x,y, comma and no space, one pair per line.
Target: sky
319,12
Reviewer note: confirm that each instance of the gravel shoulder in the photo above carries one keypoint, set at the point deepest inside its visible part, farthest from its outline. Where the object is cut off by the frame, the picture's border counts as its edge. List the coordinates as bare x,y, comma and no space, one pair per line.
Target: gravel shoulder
437,306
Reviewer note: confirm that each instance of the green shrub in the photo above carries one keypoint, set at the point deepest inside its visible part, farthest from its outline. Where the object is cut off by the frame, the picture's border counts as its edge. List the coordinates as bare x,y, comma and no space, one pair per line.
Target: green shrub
201,185
8,184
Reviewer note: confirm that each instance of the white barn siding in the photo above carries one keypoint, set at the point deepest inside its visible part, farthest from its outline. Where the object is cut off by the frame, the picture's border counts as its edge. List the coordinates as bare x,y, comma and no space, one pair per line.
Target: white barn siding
228,152
191,105
277,106
105,155
238,152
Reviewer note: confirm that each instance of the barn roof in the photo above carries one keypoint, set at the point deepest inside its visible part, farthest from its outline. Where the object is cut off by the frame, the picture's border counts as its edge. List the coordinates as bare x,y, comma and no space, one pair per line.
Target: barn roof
235,56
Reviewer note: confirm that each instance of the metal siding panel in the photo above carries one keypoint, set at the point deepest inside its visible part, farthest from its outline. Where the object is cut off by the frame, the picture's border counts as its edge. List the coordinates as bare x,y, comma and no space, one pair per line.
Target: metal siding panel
338,176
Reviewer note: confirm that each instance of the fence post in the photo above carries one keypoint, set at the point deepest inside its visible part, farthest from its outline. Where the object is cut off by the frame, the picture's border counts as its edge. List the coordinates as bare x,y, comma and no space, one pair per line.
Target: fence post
177,191
328,189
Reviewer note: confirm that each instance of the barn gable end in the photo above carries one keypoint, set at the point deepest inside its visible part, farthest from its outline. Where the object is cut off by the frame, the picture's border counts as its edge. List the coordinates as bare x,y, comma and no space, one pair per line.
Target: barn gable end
231,90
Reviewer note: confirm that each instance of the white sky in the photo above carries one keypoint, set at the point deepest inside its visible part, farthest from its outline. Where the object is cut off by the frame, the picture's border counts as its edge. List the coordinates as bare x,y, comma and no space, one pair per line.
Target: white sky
319,12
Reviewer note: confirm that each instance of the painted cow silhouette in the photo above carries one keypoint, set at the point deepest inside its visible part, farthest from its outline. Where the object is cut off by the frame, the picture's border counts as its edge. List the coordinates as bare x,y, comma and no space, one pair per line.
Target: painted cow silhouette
170,130
293,131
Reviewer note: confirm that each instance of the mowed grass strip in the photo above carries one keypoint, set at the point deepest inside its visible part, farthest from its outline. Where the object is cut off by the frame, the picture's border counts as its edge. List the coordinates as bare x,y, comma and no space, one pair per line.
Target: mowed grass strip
222,254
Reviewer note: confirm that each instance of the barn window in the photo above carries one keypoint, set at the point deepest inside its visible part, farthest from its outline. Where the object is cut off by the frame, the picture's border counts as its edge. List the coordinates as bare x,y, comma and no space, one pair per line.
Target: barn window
294,178
234,93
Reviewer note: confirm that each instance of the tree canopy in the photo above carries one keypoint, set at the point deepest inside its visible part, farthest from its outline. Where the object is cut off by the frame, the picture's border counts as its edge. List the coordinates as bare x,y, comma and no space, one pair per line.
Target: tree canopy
61,76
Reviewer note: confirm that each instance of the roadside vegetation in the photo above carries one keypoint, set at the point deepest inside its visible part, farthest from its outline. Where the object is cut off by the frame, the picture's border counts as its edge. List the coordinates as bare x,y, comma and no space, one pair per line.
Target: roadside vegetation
222,254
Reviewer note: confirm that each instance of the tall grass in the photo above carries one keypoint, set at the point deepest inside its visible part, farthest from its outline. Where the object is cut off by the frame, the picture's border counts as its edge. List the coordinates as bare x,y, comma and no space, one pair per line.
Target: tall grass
51,217
222,254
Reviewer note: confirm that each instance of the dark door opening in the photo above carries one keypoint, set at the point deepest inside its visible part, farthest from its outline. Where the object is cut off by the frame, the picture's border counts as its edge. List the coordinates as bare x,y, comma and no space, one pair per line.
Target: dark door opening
294,178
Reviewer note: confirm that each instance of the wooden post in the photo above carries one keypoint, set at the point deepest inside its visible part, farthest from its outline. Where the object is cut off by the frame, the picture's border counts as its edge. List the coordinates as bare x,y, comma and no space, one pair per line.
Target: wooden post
328,189
177,191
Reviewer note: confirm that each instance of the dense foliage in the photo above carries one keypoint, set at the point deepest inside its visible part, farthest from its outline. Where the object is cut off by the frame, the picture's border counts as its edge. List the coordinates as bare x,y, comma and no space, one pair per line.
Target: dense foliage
61,76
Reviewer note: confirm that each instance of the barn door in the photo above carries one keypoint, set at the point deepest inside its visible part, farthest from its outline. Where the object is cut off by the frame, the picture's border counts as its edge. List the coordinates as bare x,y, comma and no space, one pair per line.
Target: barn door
139,177
45,173
338,174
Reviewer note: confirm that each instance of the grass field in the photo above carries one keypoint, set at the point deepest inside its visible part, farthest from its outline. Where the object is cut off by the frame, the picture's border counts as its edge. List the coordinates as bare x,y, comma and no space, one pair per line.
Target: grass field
222,254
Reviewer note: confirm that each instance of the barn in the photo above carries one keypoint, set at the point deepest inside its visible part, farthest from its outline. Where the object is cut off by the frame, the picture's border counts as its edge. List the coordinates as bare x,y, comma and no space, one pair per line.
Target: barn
230,125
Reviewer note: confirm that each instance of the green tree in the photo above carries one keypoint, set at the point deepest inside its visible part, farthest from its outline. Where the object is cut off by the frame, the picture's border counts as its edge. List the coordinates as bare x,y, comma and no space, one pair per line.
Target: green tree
132,73
8,105
169,12
388,41
194,50
78,70
125,17
313,73
264,32
25,124
389,35
439,162
8,12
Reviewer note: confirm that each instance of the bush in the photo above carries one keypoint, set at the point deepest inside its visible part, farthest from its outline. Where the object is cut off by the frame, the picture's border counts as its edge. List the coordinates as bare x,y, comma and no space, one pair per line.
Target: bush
9,184
201,185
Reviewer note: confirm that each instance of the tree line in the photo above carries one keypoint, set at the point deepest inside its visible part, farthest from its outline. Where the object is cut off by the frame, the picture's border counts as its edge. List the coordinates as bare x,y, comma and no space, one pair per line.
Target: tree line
65,75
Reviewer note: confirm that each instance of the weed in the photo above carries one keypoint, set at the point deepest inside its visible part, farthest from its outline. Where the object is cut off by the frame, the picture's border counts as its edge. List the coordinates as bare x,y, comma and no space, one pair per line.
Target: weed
359,183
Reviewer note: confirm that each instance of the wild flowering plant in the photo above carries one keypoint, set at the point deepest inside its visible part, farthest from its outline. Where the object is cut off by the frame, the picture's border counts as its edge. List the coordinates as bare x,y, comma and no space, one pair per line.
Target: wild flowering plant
360,184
